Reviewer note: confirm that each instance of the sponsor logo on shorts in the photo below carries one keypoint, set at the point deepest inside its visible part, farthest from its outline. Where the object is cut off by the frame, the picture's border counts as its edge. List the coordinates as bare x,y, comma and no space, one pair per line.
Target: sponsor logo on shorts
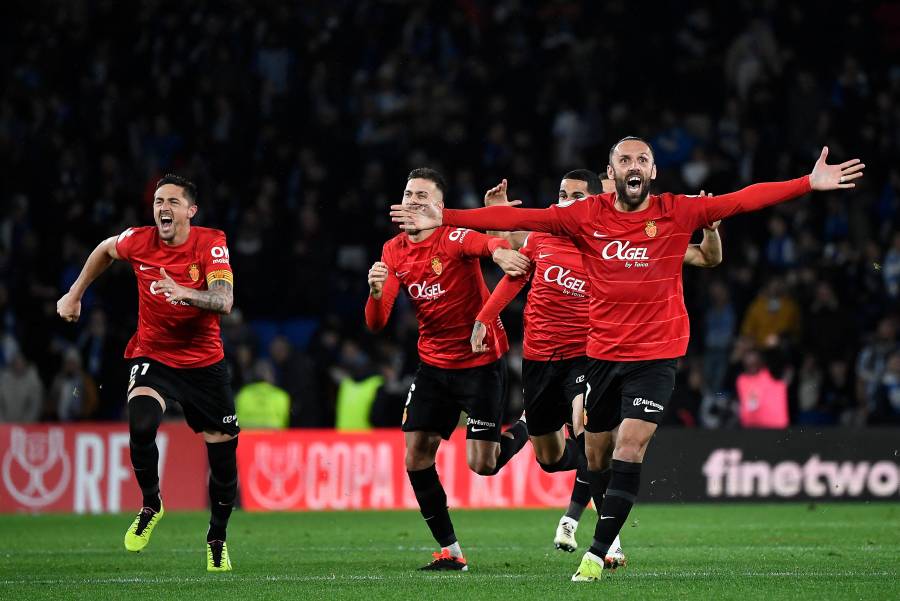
228,419
579,379
478,425
649,406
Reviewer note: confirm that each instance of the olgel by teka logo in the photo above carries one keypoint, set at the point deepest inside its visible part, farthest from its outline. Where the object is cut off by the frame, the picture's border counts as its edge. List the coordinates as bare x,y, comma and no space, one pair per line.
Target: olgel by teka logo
425,292
648,404
621,249
561,276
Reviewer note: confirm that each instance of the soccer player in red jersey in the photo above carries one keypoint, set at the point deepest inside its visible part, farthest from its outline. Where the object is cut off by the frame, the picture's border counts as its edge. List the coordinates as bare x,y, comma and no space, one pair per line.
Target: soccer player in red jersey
440,270
632,243
184,283
556,329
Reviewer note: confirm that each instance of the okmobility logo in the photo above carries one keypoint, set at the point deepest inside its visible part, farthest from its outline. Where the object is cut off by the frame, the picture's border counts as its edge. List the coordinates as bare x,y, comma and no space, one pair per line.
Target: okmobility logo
728,475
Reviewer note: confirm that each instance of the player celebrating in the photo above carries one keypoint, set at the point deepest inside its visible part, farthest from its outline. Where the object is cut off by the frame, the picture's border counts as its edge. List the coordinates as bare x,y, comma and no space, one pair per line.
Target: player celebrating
632,244
440,270
556,329
184,283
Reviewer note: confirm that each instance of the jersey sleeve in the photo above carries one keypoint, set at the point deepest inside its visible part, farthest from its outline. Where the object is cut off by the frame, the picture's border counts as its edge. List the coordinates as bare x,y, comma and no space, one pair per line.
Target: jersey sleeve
379,310
476,244
215,261
698,211
558,219
125,244
502,295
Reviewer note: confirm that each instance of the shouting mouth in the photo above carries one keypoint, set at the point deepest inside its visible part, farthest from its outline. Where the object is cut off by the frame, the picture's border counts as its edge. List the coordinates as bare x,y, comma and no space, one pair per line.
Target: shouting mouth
633,184
166,223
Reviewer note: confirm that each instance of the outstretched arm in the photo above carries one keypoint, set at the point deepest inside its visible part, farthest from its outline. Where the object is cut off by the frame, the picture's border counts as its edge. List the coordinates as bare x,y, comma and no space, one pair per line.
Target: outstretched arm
554,220
69,306
824,177
476,244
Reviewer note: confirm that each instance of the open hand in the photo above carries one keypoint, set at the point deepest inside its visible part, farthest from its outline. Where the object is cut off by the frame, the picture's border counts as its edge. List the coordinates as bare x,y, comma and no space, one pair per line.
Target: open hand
168,288
834,177
496,196
416,218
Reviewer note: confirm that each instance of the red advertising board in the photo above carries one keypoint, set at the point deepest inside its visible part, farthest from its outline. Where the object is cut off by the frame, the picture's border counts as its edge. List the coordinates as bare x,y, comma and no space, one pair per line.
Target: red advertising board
86,468
327,470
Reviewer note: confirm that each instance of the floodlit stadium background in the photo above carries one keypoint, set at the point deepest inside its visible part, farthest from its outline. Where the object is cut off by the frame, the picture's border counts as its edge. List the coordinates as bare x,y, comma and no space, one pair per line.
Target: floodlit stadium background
300,121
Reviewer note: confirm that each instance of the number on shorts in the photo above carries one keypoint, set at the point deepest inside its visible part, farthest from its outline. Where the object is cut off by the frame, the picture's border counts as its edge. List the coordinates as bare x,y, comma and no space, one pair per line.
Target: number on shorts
135,368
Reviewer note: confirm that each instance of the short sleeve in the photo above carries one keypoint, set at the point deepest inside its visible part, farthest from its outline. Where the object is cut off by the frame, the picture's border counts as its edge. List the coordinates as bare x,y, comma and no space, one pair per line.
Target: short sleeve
125,244
216,262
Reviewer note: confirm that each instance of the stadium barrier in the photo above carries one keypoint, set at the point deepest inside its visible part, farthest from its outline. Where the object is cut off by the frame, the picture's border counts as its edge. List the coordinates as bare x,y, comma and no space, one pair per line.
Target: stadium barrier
85,469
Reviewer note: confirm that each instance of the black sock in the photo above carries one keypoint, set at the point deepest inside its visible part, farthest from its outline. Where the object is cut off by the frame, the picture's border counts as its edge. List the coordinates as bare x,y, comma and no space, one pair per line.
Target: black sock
222,485
433,504
598,482
581,494
570,460
620,496
144,416
510,445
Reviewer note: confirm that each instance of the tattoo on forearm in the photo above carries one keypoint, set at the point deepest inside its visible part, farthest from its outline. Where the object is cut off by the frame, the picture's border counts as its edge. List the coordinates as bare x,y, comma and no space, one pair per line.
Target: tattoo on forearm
216,299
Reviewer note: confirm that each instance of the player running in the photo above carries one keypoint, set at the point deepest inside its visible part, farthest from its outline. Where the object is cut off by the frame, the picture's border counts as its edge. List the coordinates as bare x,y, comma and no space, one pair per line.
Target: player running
556,330
184,283
440,271
633,244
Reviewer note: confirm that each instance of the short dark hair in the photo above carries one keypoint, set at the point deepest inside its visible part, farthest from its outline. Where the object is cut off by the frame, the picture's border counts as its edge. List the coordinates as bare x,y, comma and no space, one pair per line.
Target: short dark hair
189,187
431,175
586,175
636,139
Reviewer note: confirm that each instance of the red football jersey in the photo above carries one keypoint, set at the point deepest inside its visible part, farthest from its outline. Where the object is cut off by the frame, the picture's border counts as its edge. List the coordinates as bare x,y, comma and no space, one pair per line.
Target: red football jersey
442,278
556,312
633,260
175,333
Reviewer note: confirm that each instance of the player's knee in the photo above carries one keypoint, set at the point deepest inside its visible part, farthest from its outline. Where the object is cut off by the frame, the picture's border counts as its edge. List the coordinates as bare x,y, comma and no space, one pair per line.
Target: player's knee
418,459
483,466
144,417
630,450
548,457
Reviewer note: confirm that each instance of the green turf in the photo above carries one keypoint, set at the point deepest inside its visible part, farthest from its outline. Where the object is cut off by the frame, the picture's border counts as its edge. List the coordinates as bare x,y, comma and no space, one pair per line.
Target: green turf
834,551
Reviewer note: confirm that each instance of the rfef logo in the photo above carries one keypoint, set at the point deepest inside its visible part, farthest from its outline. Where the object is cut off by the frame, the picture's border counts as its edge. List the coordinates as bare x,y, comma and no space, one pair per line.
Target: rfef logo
36,467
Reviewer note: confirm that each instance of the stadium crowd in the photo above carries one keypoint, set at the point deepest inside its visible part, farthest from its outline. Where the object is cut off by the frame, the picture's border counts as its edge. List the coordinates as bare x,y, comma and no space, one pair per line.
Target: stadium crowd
300,121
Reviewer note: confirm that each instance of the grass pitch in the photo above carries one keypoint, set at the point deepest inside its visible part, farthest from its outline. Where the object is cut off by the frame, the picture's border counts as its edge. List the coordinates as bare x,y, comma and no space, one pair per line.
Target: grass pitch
797,551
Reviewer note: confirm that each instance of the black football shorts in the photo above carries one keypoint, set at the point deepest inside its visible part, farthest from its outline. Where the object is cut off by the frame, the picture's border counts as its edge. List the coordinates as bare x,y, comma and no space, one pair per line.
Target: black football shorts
437,396
548,388
204,393
615,390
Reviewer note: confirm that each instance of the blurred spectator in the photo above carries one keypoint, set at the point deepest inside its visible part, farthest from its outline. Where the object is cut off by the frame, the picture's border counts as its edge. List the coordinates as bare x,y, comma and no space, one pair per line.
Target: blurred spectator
891,269
295,373
21,392
885,404
73,394
828,334
872,362
720,324
781,252
773,314
101,354
763,399
687,395
261,404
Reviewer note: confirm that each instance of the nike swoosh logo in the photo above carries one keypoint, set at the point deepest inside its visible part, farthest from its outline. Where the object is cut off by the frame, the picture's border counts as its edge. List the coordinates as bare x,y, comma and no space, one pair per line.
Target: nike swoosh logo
145,268
577,479
607,517
474,429
400,274
649,410
543,256
598,234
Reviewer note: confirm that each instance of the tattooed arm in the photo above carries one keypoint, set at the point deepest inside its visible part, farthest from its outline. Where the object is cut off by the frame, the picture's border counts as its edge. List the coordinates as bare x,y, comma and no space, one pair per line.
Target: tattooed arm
218,298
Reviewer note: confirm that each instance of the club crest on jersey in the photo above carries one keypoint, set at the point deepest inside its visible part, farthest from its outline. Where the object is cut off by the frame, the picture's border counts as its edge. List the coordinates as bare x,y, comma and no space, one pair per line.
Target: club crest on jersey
194,272
650,229
436,266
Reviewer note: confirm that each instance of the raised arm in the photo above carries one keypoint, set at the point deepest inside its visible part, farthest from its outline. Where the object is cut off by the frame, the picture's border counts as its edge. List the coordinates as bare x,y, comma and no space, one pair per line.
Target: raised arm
709,252
69,306
824,177
383,289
